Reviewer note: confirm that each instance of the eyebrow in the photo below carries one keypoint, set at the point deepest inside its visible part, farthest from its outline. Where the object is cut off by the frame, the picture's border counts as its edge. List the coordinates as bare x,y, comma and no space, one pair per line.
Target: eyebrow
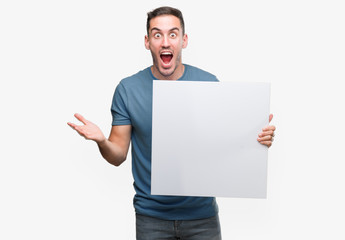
157,29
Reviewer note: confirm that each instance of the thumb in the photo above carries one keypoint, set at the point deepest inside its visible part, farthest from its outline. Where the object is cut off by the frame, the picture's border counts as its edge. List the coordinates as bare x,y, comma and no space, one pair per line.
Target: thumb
80,118
270,117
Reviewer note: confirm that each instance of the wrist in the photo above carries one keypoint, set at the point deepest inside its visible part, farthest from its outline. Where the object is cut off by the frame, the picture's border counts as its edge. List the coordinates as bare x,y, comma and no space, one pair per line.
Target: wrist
102,141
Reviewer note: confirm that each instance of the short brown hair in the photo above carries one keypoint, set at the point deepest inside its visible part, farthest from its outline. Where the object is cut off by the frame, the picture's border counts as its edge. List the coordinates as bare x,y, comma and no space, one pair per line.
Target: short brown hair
164,11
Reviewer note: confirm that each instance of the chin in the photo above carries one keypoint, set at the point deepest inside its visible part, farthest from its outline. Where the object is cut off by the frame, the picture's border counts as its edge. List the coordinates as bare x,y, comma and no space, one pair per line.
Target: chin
166,72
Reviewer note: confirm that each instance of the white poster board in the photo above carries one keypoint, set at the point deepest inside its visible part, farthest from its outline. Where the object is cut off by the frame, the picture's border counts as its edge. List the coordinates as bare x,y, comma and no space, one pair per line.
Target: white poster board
204,138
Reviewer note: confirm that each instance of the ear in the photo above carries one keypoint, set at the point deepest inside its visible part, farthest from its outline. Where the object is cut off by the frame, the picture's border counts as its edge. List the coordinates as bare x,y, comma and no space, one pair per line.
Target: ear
147,44
185,41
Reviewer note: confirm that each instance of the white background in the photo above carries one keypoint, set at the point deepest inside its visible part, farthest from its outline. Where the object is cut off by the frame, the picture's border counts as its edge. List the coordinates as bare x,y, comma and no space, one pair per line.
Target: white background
62,57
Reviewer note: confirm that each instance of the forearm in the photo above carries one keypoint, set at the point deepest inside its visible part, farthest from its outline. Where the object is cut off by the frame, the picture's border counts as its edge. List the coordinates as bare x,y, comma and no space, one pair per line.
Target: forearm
112,152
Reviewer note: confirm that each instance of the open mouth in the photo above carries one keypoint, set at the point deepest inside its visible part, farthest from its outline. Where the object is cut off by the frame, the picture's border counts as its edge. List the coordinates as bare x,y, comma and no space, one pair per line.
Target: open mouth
166,57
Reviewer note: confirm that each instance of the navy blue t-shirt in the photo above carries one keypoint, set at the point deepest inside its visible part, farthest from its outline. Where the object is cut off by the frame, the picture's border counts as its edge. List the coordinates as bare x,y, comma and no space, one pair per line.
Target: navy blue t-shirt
132,105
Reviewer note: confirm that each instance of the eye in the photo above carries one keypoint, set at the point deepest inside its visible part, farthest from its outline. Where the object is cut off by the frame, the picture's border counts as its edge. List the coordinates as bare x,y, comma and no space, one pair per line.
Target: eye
173,35
157,35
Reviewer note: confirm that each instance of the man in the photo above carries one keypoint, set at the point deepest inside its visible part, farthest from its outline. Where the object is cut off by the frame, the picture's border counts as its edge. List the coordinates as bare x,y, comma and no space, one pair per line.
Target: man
157,217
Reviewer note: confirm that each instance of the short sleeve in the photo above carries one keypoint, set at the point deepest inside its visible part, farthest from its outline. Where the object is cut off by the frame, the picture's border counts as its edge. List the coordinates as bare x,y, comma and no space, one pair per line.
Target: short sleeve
119,107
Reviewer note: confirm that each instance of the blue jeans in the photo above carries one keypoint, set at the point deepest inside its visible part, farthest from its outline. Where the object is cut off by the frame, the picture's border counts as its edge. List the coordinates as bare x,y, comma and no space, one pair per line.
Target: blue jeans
149,228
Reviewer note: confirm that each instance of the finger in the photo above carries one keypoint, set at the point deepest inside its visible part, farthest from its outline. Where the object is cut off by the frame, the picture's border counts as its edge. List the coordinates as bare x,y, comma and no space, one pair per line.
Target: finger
266,133
265,138
269,128
72,125
270,117
267,143
80,118
80,130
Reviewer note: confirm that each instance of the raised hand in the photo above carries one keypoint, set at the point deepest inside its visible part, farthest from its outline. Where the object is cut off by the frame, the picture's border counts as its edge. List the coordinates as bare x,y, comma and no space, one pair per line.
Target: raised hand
266,137
88,130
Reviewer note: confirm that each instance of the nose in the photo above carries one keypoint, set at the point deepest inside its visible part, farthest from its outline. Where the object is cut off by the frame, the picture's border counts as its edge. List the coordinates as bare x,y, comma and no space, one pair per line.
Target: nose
166,42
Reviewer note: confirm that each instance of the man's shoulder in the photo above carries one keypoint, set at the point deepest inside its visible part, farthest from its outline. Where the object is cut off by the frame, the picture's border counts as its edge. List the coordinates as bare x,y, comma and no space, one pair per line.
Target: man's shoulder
140,76
195,73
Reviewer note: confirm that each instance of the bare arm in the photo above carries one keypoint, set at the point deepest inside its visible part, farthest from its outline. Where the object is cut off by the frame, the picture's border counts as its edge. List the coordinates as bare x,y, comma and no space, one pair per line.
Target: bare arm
115,148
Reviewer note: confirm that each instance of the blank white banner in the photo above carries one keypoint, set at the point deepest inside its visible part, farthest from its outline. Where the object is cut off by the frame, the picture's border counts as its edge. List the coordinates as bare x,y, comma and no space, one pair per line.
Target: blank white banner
204,138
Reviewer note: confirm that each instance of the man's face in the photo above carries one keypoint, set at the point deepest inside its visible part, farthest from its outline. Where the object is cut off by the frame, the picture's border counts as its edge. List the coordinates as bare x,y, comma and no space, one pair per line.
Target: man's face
166,41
